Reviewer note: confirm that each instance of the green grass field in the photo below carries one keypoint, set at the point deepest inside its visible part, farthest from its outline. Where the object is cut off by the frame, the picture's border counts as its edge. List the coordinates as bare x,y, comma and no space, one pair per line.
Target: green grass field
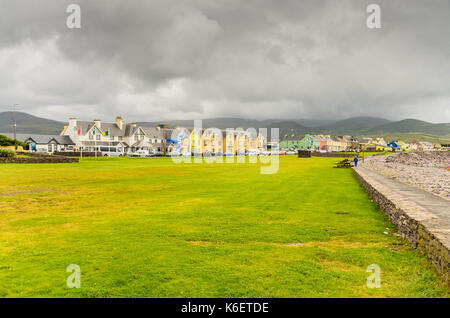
145,227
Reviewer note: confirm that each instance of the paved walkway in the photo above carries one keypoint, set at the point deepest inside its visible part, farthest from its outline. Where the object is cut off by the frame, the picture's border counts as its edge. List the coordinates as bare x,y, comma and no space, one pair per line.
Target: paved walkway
430,202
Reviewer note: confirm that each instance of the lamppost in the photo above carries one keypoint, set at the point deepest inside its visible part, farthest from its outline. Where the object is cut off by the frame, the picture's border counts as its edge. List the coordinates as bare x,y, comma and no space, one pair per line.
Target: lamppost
15,126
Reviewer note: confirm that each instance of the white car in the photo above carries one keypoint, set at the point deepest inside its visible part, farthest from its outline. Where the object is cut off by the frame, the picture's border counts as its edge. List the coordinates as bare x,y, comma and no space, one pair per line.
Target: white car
253,152
139,153
111,152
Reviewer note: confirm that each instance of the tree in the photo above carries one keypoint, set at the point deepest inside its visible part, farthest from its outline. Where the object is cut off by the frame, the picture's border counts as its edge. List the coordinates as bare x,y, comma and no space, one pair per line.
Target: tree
5,141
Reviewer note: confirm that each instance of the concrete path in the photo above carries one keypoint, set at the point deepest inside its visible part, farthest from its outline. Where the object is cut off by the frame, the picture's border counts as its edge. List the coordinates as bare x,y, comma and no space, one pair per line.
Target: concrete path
430,202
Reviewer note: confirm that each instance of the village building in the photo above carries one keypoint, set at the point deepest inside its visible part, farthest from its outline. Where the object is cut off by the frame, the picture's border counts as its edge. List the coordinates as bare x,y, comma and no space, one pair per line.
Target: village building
351,143
291,141
144,138
113,137
48,143
308,142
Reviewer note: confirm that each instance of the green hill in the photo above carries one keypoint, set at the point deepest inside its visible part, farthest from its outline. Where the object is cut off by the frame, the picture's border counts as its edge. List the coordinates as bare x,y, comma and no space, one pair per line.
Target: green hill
352,126
285,126
29,124
411,126
407,129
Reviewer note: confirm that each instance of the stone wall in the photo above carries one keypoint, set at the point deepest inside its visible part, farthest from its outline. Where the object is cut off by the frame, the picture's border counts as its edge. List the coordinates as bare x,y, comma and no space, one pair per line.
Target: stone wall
46,159
415,225
331,154
33,154
77,153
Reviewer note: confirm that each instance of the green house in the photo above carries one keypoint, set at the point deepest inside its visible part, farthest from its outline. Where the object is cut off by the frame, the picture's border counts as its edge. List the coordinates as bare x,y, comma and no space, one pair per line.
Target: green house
308,142
290,142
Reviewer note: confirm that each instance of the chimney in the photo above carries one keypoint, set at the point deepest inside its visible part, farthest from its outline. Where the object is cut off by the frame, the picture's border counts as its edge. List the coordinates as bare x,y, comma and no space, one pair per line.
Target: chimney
119,122
132,127
98,123
72,122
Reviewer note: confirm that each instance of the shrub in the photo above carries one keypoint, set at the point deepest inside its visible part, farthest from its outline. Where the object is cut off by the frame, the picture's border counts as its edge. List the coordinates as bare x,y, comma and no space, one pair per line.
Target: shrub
5,153
5,141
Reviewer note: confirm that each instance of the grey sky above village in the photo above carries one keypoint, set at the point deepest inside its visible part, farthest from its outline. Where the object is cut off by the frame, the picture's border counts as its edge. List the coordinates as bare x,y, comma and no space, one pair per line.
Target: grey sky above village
165,59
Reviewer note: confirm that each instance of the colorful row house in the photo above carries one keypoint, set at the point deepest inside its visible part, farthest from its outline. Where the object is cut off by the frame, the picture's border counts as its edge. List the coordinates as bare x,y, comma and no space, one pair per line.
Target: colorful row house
215,141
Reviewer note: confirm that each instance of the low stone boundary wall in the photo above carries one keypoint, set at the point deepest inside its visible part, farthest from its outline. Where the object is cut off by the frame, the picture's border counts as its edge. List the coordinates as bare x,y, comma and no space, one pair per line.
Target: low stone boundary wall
415,224
33,154
77,154
330,154
46,159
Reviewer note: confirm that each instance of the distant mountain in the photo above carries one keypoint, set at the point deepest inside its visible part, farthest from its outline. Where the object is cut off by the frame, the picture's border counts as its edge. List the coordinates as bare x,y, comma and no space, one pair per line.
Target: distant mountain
352,126
315,123
29,124
411,126
285,126
357,126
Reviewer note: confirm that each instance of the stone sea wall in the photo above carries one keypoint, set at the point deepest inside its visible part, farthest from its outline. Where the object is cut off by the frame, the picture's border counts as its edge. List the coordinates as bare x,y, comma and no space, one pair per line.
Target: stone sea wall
413,222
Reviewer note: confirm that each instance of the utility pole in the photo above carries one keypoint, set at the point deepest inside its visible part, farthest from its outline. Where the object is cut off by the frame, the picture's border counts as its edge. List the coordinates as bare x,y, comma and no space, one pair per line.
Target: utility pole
14,126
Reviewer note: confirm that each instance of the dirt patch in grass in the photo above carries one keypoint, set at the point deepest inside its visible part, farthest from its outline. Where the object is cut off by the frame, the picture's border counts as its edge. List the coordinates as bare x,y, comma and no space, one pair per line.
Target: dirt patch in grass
31,191
295,244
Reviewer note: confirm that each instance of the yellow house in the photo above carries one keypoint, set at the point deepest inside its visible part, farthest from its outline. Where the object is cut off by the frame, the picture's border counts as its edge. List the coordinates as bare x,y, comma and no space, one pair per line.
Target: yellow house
402,144
212,141
222,141
376,147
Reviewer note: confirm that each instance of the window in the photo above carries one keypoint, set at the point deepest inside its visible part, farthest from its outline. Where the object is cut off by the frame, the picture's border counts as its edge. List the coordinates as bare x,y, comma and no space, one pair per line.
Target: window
111,137
120,137
136,137
91,137
97,137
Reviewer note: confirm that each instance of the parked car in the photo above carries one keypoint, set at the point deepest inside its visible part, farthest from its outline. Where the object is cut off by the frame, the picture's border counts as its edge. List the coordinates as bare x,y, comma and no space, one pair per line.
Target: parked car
139,153
253,152
111,152
265,153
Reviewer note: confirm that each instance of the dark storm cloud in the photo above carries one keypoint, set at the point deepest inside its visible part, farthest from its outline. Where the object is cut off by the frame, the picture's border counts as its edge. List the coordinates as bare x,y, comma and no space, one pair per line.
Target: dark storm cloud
257,59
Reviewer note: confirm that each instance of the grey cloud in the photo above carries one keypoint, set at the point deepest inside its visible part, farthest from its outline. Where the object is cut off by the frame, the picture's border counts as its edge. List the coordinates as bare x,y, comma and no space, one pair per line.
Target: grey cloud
259,58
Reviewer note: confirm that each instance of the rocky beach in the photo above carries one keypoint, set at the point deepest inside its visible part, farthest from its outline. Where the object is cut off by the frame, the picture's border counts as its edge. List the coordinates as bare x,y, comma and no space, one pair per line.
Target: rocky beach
429,171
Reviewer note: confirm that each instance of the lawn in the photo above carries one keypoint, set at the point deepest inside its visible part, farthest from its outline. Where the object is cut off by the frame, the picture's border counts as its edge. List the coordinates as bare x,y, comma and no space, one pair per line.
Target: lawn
146,227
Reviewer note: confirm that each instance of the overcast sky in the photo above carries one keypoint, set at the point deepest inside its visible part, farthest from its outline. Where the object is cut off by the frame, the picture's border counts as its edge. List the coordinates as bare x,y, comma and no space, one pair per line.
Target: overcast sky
167,59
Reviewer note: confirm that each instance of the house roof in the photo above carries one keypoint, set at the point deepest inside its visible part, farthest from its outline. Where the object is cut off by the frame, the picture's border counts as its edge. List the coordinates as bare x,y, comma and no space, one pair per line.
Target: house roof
45,139
112,128
142,144
153,132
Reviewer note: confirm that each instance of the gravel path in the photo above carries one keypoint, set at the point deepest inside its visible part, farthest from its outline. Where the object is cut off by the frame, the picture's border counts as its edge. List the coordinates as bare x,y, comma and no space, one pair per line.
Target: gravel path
425,170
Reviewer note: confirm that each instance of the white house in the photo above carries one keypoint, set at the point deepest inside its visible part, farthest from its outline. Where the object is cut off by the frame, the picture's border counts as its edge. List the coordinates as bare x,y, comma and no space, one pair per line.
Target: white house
47,143
116,137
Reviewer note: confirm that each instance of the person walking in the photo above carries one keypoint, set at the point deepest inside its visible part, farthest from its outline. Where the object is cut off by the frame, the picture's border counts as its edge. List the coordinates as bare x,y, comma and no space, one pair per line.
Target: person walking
356,161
